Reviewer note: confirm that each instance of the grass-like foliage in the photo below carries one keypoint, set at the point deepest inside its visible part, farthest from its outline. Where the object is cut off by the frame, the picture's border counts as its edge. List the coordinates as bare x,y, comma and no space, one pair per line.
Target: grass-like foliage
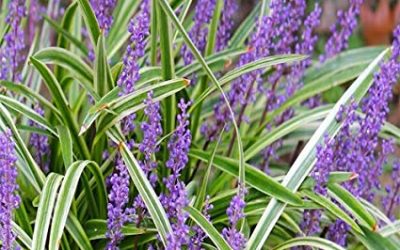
180,124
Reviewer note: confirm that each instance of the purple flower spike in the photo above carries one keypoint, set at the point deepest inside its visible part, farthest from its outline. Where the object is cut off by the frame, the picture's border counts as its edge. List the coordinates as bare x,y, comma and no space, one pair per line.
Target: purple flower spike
118,214
202,17
152,130
176,199
235,213
226,24
342,30
197,240
9,200
12,54
103,10
392,200
139,28
325,159
40,144
338,232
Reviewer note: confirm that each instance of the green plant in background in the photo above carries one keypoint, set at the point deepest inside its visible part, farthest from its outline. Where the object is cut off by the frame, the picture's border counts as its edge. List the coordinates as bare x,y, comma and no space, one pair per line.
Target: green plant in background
156,124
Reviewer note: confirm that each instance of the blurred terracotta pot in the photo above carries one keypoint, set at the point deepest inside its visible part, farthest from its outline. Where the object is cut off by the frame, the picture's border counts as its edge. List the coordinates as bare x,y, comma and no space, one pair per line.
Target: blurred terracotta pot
378,25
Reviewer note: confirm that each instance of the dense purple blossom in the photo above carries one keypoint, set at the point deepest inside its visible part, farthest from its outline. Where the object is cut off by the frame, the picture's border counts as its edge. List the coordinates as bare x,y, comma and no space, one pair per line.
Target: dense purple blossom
202,17
12,54
342,30
40,144
103,10
35,15
235,213
376,107
356,146
175,200
9,200
226,24
392,199
294,79
337,232
118,214
199,236
242,90
139,29
325,160
152,130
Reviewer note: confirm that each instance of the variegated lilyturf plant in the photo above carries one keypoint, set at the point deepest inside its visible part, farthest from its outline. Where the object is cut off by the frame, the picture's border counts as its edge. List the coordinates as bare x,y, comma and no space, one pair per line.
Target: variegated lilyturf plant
180,124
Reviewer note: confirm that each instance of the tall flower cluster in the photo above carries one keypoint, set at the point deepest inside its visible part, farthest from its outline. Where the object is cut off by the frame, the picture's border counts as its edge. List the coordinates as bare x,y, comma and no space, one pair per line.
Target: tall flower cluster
376,107
139,28
9,200
226,24
293,80
117,212
197,240
356,147
152,130
176,199
103,10
199,32
325,159
339,39
35,15
235,213
392,199
12,54
40,143
342,30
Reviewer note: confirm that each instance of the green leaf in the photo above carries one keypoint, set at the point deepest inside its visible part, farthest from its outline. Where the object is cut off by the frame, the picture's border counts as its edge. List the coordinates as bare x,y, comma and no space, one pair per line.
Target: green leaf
263,63
147,193
254,177
219,58
284,129
66,145
65,199
22,235
332,208
346,199
32,95
334,72
390,229
168,11
122,15
208,228
34,174
70,61
27,112
246,27
306,160
81,46
311,242
201,195
96,230
102,76
77,232
375,241
90,20
67,23
131,103
62,104
45,211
